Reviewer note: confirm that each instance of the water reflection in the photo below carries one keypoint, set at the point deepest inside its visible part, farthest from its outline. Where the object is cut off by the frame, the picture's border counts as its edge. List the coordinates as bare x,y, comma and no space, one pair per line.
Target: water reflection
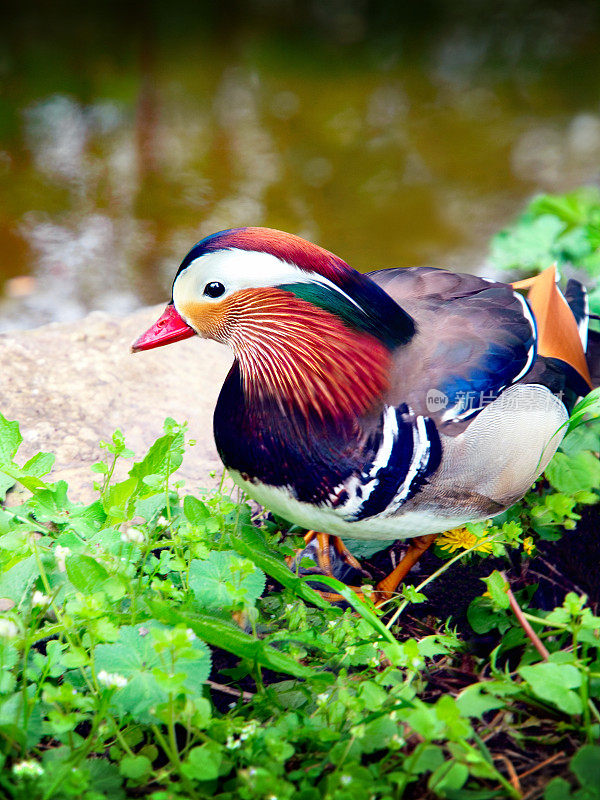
384,147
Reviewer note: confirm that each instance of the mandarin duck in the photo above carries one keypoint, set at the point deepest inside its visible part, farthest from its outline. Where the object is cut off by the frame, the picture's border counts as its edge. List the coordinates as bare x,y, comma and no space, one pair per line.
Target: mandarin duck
390,405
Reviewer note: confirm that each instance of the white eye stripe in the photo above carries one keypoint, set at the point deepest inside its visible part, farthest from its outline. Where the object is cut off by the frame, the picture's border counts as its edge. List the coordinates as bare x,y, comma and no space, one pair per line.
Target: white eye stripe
241,269
244,269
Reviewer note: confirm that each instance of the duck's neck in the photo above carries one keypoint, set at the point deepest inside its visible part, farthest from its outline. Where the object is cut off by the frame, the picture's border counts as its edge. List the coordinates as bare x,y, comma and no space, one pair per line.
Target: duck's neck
269,444
305,359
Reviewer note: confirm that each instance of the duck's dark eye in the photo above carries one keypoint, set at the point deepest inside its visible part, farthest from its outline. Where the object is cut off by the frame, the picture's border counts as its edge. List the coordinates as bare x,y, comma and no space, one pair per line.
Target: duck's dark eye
214,289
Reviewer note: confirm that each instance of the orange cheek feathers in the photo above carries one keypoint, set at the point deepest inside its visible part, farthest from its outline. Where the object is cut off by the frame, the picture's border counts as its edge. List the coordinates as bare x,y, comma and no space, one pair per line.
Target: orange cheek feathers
295,352
211,320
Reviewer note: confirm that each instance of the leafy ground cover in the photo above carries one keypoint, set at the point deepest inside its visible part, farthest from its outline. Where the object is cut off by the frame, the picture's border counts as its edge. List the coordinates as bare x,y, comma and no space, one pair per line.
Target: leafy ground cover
155,643
560,228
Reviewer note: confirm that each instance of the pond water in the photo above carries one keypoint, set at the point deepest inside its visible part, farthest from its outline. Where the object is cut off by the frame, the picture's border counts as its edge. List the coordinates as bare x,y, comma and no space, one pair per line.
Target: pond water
127,134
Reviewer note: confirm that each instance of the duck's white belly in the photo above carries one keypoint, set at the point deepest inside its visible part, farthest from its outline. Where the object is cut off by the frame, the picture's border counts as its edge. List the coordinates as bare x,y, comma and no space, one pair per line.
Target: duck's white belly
282,502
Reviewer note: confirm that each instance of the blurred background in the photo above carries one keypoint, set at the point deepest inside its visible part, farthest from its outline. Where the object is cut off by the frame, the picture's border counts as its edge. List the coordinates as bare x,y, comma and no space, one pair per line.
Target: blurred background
391,133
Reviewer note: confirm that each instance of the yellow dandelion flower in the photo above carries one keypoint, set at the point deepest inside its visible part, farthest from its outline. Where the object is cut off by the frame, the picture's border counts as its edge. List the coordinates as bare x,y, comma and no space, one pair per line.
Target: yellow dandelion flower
528,545
462,539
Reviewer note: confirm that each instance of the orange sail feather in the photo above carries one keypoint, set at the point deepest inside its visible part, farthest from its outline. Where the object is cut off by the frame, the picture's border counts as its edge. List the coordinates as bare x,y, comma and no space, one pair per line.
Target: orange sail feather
558,335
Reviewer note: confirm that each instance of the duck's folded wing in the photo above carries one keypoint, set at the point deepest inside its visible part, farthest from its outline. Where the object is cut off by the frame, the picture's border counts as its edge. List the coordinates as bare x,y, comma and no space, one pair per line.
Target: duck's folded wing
474,339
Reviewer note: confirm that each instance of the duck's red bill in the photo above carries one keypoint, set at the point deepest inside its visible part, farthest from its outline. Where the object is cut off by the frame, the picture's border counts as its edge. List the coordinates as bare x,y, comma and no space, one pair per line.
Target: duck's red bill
169,328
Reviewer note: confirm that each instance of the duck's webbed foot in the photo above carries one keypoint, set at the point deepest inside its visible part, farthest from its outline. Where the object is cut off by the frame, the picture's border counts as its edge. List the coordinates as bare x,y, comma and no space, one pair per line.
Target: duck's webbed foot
330,557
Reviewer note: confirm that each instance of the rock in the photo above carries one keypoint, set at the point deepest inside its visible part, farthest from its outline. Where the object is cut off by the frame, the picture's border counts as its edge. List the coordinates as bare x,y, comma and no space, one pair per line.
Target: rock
71,385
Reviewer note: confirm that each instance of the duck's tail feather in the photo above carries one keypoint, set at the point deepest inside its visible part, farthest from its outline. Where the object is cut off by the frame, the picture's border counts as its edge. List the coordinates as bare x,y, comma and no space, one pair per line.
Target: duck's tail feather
593,356
561,320
577,297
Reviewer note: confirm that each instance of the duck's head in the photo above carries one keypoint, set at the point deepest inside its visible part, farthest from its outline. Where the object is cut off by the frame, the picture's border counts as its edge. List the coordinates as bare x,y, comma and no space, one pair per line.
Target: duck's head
226,271
286,307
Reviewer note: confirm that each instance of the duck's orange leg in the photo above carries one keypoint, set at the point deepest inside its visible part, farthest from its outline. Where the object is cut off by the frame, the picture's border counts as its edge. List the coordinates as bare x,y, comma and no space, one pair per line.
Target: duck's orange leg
324,540
386,587
323,554
416,548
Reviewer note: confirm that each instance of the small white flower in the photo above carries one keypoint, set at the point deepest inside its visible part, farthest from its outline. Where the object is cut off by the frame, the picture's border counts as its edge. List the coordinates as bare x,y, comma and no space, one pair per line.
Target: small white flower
28,769
143,631
133,536
191,636
322,698
39,599
112,680
249,729
345,780
162,521
232,743
8,629
416,662
60,554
